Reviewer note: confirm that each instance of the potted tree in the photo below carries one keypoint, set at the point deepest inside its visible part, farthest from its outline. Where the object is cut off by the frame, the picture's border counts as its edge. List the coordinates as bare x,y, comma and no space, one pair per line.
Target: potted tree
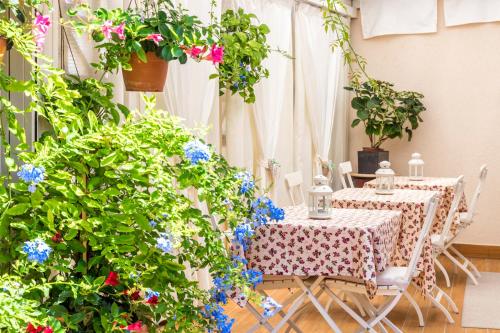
386,114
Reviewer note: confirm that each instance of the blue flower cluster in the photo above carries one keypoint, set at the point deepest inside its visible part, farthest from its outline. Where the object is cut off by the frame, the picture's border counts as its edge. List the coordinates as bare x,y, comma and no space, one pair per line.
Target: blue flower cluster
239,260
153,223
264,208
196,151
150,294
247,183
32,175
253,277
164,242
37,250
214,312
219,292
242,235
270,306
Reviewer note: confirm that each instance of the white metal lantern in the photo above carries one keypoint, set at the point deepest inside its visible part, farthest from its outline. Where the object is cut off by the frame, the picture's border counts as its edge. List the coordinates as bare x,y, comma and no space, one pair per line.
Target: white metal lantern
320,199
385,179
416,165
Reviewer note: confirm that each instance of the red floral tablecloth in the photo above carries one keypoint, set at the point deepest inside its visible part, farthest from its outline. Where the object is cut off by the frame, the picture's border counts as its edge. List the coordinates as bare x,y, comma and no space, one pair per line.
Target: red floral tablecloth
446,186
412,204
354,243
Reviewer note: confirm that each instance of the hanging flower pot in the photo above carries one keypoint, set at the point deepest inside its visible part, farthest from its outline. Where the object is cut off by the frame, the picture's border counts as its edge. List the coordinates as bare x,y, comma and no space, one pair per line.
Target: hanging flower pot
146,76
3,48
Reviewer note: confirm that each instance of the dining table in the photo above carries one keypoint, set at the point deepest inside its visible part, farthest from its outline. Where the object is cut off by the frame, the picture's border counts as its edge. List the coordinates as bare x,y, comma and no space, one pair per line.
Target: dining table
352,243
412,205
444,185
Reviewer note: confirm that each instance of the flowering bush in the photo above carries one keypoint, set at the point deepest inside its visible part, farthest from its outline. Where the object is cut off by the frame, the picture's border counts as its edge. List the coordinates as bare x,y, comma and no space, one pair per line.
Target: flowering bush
99,230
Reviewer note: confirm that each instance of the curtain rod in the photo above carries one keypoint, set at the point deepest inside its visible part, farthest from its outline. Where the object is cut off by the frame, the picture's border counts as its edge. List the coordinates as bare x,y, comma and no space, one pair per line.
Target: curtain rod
349,12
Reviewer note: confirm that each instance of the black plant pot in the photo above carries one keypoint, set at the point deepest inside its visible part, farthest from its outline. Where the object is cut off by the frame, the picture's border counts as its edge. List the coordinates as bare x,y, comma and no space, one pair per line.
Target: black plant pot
369,159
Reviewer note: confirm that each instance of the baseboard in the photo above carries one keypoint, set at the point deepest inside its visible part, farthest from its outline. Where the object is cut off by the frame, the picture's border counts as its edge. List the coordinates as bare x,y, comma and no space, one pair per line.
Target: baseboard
479,251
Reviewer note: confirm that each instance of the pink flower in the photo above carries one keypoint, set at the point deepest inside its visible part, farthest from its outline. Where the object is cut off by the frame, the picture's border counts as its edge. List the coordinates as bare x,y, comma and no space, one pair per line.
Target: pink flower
107,28
216,54
135,327
195,51
112,279
156,38
40,29
120,31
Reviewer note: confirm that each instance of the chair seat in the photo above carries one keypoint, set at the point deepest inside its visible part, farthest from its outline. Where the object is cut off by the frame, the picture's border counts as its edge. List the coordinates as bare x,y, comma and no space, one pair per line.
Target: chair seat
436,240
464,218
393,276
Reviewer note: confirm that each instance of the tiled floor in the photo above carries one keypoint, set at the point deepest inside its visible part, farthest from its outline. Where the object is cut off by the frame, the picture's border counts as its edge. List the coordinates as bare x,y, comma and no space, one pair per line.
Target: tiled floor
403,315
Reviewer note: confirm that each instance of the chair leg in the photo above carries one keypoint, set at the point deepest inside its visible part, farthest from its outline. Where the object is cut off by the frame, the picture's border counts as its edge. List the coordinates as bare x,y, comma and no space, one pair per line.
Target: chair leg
291,323
416,307
443,270
462,266
449,300
467,262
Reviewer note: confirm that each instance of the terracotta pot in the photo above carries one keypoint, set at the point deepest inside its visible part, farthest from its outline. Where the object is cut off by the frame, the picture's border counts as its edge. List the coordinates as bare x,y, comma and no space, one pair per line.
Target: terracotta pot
3,48
149,76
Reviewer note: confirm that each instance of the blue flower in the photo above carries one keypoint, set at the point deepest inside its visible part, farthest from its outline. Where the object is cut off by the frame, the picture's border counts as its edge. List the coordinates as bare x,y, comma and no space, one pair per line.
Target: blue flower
151,293
32,175
196,151
264,208
221,286
242,234
215,313
239,259
253,277
164,242
37,250
276,213
270,307
153,223
247,182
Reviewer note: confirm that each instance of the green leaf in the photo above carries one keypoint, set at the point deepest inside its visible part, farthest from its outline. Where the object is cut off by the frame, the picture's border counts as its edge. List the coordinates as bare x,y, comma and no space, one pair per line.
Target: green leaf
109,159
18,209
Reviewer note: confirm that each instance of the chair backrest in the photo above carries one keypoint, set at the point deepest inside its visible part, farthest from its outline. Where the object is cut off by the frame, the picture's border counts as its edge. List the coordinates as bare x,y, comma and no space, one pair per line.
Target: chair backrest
293,182
471,211
345,170
424,232
458,193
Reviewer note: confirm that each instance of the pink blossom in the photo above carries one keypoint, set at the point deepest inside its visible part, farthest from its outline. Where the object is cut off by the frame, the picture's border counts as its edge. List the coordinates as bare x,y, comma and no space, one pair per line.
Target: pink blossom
120,31
40,29
156,38
216,54
195,51
107,28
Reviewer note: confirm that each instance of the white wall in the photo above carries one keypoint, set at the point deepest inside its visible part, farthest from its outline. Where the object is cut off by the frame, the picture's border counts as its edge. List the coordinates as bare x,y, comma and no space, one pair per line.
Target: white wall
458,71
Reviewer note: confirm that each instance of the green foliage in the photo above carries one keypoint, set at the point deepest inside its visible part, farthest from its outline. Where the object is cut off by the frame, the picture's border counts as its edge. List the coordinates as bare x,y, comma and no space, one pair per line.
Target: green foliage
385,112
109,172
245,49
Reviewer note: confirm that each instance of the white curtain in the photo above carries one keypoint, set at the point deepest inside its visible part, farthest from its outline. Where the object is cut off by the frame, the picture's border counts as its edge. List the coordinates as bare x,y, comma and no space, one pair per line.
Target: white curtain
389,17
189,93
457,12
319,78
273,94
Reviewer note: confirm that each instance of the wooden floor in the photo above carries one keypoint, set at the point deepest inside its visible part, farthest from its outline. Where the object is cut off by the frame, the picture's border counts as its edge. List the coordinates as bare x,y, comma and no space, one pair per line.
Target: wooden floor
403,315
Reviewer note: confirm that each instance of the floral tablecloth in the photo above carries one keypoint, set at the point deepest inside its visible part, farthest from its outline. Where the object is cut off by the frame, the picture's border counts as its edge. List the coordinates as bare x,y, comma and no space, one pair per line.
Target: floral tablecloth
446,186
354,243
412,204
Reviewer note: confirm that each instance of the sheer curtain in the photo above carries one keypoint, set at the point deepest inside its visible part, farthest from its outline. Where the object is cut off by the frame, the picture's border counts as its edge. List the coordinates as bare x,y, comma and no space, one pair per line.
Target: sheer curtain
319,91
189,93
273,95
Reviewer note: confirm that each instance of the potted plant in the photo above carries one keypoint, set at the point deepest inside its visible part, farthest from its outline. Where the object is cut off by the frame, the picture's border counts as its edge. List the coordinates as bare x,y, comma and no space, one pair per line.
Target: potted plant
142,40
386,114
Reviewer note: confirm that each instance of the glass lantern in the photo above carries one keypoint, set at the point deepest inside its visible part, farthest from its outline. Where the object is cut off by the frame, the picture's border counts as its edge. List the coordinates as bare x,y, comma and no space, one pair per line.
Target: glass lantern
385,179
416,165
320,199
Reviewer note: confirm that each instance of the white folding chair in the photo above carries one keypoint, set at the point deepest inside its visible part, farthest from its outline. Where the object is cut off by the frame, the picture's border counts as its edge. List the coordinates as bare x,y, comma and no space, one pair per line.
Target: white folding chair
392,283
345,170
441,241
293,182
466,218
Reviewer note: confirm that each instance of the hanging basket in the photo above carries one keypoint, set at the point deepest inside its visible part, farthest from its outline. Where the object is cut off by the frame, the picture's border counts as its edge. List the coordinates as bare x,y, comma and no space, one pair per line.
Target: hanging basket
3,48
149,76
